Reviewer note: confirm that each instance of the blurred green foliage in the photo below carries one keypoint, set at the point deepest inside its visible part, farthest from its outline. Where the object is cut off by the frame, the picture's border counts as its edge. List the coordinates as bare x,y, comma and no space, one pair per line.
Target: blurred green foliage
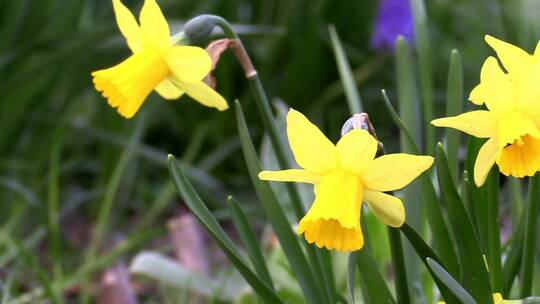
60,143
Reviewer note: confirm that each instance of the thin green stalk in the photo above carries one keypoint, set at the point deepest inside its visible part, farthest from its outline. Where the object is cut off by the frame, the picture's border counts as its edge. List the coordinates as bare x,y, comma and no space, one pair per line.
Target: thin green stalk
267,117
110,193
454,106
527,265
426,78
52,214
494,236
512,262
409,110
400,279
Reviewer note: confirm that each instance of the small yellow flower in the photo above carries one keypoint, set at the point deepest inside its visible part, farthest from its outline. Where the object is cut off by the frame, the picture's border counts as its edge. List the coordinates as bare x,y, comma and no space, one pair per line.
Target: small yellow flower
344,175
513,117
497,299
156,64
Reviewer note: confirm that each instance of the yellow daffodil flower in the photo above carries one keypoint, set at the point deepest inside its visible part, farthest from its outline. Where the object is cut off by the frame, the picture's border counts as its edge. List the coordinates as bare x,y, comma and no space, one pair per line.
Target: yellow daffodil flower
497,299
512,119
343,176
156,64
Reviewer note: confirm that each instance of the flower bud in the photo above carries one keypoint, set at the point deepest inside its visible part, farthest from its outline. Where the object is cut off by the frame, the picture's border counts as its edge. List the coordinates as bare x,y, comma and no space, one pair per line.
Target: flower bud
199,27
358,121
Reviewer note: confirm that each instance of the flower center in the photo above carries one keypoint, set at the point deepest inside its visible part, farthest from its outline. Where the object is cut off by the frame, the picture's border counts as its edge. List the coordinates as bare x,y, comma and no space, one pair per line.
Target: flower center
521,158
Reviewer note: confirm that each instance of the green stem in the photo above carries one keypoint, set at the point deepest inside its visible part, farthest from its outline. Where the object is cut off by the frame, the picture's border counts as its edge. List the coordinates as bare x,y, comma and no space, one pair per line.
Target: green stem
400,279
527,265
267,117
494,236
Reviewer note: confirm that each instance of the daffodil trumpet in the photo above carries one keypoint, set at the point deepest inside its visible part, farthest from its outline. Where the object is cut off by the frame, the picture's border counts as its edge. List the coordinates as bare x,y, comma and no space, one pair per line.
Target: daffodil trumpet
343,176
511,121
157,63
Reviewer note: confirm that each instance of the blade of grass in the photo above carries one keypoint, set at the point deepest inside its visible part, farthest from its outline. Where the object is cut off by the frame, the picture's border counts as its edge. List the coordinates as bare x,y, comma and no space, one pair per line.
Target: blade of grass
52,210
458,290
347,78
277,218
109,197
250,241
529,246
199,209
439,228
454,106
30,261
101,262
473,266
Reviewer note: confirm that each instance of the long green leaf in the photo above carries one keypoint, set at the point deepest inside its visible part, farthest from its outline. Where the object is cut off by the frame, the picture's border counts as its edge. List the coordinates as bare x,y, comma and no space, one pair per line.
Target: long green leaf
398,262
458,290
512,262
410,110
424,251
454,106
424,60
529,245
197,206
439,229
374,285
351,277
478,195
473,266
250,241
276,216
347,78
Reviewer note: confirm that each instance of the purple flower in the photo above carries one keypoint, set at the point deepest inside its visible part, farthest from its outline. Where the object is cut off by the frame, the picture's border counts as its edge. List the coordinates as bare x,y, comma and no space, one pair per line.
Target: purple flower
394,18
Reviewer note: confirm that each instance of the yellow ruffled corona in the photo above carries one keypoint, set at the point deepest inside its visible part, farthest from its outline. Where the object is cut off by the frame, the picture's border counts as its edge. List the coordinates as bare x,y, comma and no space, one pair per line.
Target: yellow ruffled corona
343,176
512,119
497,299
156,64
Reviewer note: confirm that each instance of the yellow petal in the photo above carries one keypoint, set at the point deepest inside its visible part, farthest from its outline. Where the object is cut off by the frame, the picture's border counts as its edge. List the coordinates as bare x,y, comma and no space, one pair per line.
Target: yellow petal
189,63
204,94
520,159
331,235
485,160
168,90
394,171
497,299
356,149
311,149
514,59
479,123
154,27
333,221
512,126
291,175
388,208
495,88
127,84
128,26
338,196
